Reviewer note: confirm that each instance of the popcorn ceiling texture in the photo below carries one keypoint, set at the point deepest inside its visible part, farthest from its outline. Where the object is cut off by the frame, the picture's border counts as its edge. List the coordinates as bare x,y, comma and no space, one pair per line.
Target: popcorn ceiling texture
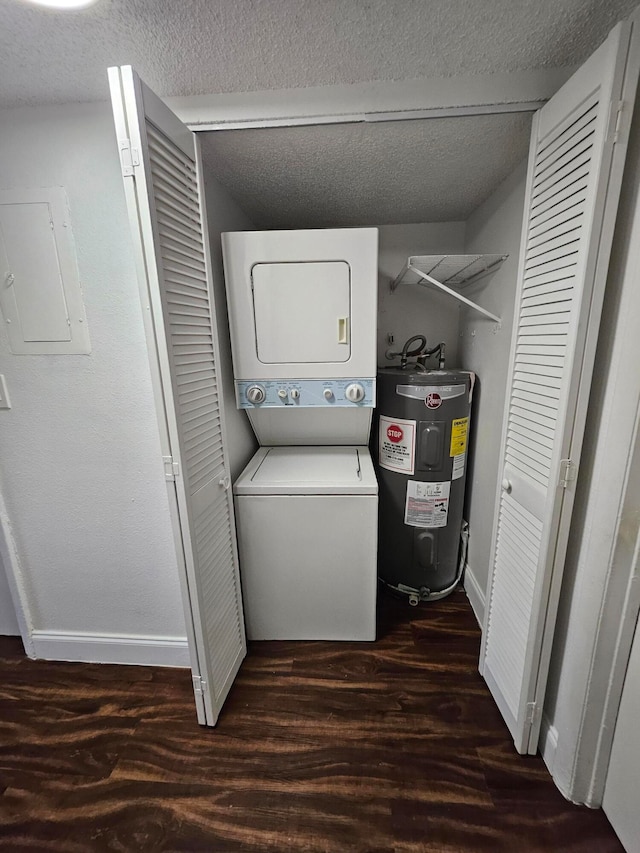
367,174
189,47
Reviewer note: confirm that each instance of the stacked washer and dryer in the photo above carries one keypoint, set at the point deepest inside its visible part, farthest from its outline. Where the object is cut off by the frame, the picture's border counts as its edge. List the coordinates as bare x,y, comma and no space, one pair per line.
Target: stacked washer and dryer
302,315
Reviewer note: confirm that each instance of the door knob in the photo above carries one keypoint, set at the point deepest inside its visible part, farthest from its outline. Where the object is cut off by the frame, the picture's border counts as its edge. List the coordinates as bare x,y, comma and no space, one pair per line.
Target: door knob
506,486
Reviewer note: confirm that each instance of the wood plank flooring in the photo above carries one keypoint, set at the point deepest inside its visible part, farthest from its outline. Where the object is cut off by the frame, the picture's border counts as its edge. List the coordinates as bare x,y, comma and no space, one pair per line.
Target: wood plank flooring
323,747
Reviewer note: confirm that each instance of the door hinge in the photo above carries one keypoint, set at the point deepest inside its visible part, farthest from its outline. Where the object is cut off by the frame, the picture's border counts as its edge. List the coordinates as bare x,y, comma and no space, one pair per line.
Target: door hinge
568,473
199,686
533,709
129,156
616,124
171,468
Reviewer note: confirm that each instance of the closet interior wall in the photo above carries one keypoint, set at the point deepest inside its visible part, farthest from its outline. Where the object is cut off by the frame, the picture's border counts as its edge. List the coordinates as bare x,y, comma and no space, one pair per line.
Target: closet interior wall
484,348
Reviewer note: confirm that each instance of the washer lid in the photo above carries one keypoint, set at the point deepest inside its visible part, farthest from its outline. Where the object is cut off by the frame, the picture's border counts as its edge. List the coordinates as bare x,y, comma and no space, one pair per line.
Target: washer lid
308,471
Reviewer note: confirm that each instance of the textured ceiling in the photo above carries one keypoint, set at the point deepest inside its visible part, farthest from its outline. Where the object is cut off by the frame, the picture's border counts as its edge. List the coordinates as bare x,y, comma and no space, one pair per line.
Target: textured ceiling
188,47
436,170
414,171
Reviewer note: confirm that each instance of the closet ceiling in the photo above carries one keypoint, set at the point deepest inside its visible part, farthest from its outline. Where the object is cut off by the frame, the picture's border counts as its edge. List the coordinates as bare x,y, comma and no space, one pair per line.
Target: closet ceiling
435,170
186,47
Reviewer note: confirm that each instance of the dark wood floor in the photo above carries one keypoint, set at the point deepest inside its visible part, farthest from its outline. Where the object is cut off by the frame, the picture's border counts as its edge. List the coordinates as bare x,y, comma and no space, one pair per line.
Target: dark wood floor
375,748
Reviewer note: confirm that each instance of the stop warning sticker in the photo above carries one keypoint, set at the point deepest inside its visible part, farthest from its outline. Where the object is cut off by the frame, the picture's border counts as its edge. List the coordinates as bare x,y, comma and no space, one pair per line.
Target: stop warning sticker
459,432
397,444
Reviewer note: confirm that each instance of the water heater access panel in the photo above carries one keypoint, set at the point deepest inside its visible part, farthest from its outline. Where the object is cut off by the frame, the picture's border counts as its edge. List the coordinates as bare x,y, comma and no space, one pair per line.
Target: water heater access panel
302,304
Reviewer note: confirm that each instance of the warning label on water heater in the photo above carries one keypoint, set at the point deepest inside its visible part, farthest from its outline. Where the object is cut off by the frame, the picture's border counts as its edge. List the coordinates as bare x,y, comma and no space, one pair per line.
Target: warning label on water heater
427,504
397,444
459,433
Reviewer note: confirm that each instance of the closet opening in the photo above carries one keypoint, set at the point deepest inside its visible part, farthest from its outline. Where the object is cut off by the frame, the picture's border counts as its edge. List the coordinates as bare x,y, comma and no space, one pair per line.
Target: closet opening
436,186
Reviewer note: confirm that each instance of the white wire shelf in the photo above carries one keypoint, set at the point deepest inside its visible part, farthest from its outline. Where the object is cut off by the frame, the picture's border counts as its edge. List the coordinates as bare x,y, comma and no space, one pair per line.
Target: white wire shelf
450,273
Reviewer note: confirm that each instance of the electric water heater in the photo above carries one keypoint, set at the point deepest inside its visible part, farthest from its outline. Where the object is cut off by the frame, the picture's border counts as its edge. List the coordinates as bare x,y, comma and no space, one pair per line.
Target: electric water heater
421,454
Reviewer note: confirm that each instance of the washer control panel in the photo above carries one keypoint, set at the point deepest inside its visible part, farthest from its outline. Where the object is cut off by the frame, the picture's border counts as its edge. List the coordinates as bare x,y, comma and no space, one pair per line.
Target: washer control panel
305,393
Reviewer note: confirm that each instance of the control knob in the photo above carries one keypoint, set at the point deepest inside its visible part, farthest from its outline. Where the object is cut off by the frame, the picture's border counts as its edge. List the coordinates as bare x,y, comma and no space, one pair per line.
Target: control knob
256,394
355,392
295,394
328,394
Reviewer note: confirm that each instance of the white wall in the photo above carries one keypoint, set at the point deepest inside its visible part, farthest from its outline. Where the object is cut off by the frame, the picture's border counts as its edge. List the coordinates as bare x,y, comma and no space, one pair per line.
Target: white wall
224,214
80,455
8,621
494,227
411,309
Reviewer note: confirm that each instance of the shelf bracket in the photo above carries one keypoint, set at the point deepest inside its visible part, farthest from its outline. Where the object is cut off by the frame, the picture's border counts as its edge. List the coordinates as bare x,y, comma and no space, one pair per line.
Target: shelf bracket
458,296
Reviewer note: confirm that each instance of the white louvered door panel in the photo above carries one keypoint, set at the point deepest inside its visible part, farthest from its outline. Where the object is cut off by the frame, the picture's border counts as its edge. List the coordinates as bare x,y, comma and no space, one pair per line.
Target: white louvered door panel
574,178
167,215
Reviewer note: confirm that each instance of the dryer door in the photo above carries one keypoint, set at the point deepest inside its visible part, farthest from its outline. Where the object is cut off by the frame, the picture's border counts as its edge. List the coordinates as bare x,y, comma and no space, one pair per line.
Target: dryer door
302,312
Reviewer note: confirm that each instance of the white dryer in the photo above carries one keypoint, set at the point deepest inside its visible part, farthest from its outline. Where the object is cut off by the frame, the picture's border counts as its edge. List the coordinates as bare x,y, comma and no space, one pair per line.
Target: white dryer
302,316
307,524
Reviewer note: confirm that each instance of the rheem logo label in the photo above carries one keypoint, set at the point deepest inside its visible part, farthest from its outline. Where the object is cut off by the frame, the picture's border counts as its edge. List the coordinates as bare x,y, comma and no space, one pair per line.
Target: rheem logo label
394,433
433,401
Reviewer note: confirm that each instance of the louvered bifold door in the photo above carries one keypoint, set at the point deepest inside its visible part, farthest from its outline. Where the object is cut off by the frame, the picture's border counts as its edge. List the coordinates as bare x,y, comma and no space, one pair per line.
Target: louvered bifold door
575,169
161,167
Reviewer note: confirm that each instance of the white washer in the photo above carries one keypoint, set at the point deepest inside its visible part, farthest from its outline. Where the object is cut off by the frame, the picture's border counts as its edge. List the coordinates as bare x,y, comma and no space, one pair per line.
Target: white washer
307,533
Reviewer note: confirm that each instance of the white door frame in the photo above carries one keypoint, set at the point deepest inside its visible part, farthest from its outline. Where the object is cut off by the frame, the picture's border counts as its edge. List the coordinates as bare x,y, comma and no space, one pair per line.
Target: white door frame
391,100
9,558
613,641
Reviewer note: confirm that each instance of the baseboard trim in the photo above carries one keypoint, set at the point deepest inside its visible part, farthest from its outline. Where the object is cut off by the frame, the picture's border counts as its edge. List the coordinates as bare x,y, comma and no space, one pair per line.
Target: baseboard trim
474,593
548,743
137,650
